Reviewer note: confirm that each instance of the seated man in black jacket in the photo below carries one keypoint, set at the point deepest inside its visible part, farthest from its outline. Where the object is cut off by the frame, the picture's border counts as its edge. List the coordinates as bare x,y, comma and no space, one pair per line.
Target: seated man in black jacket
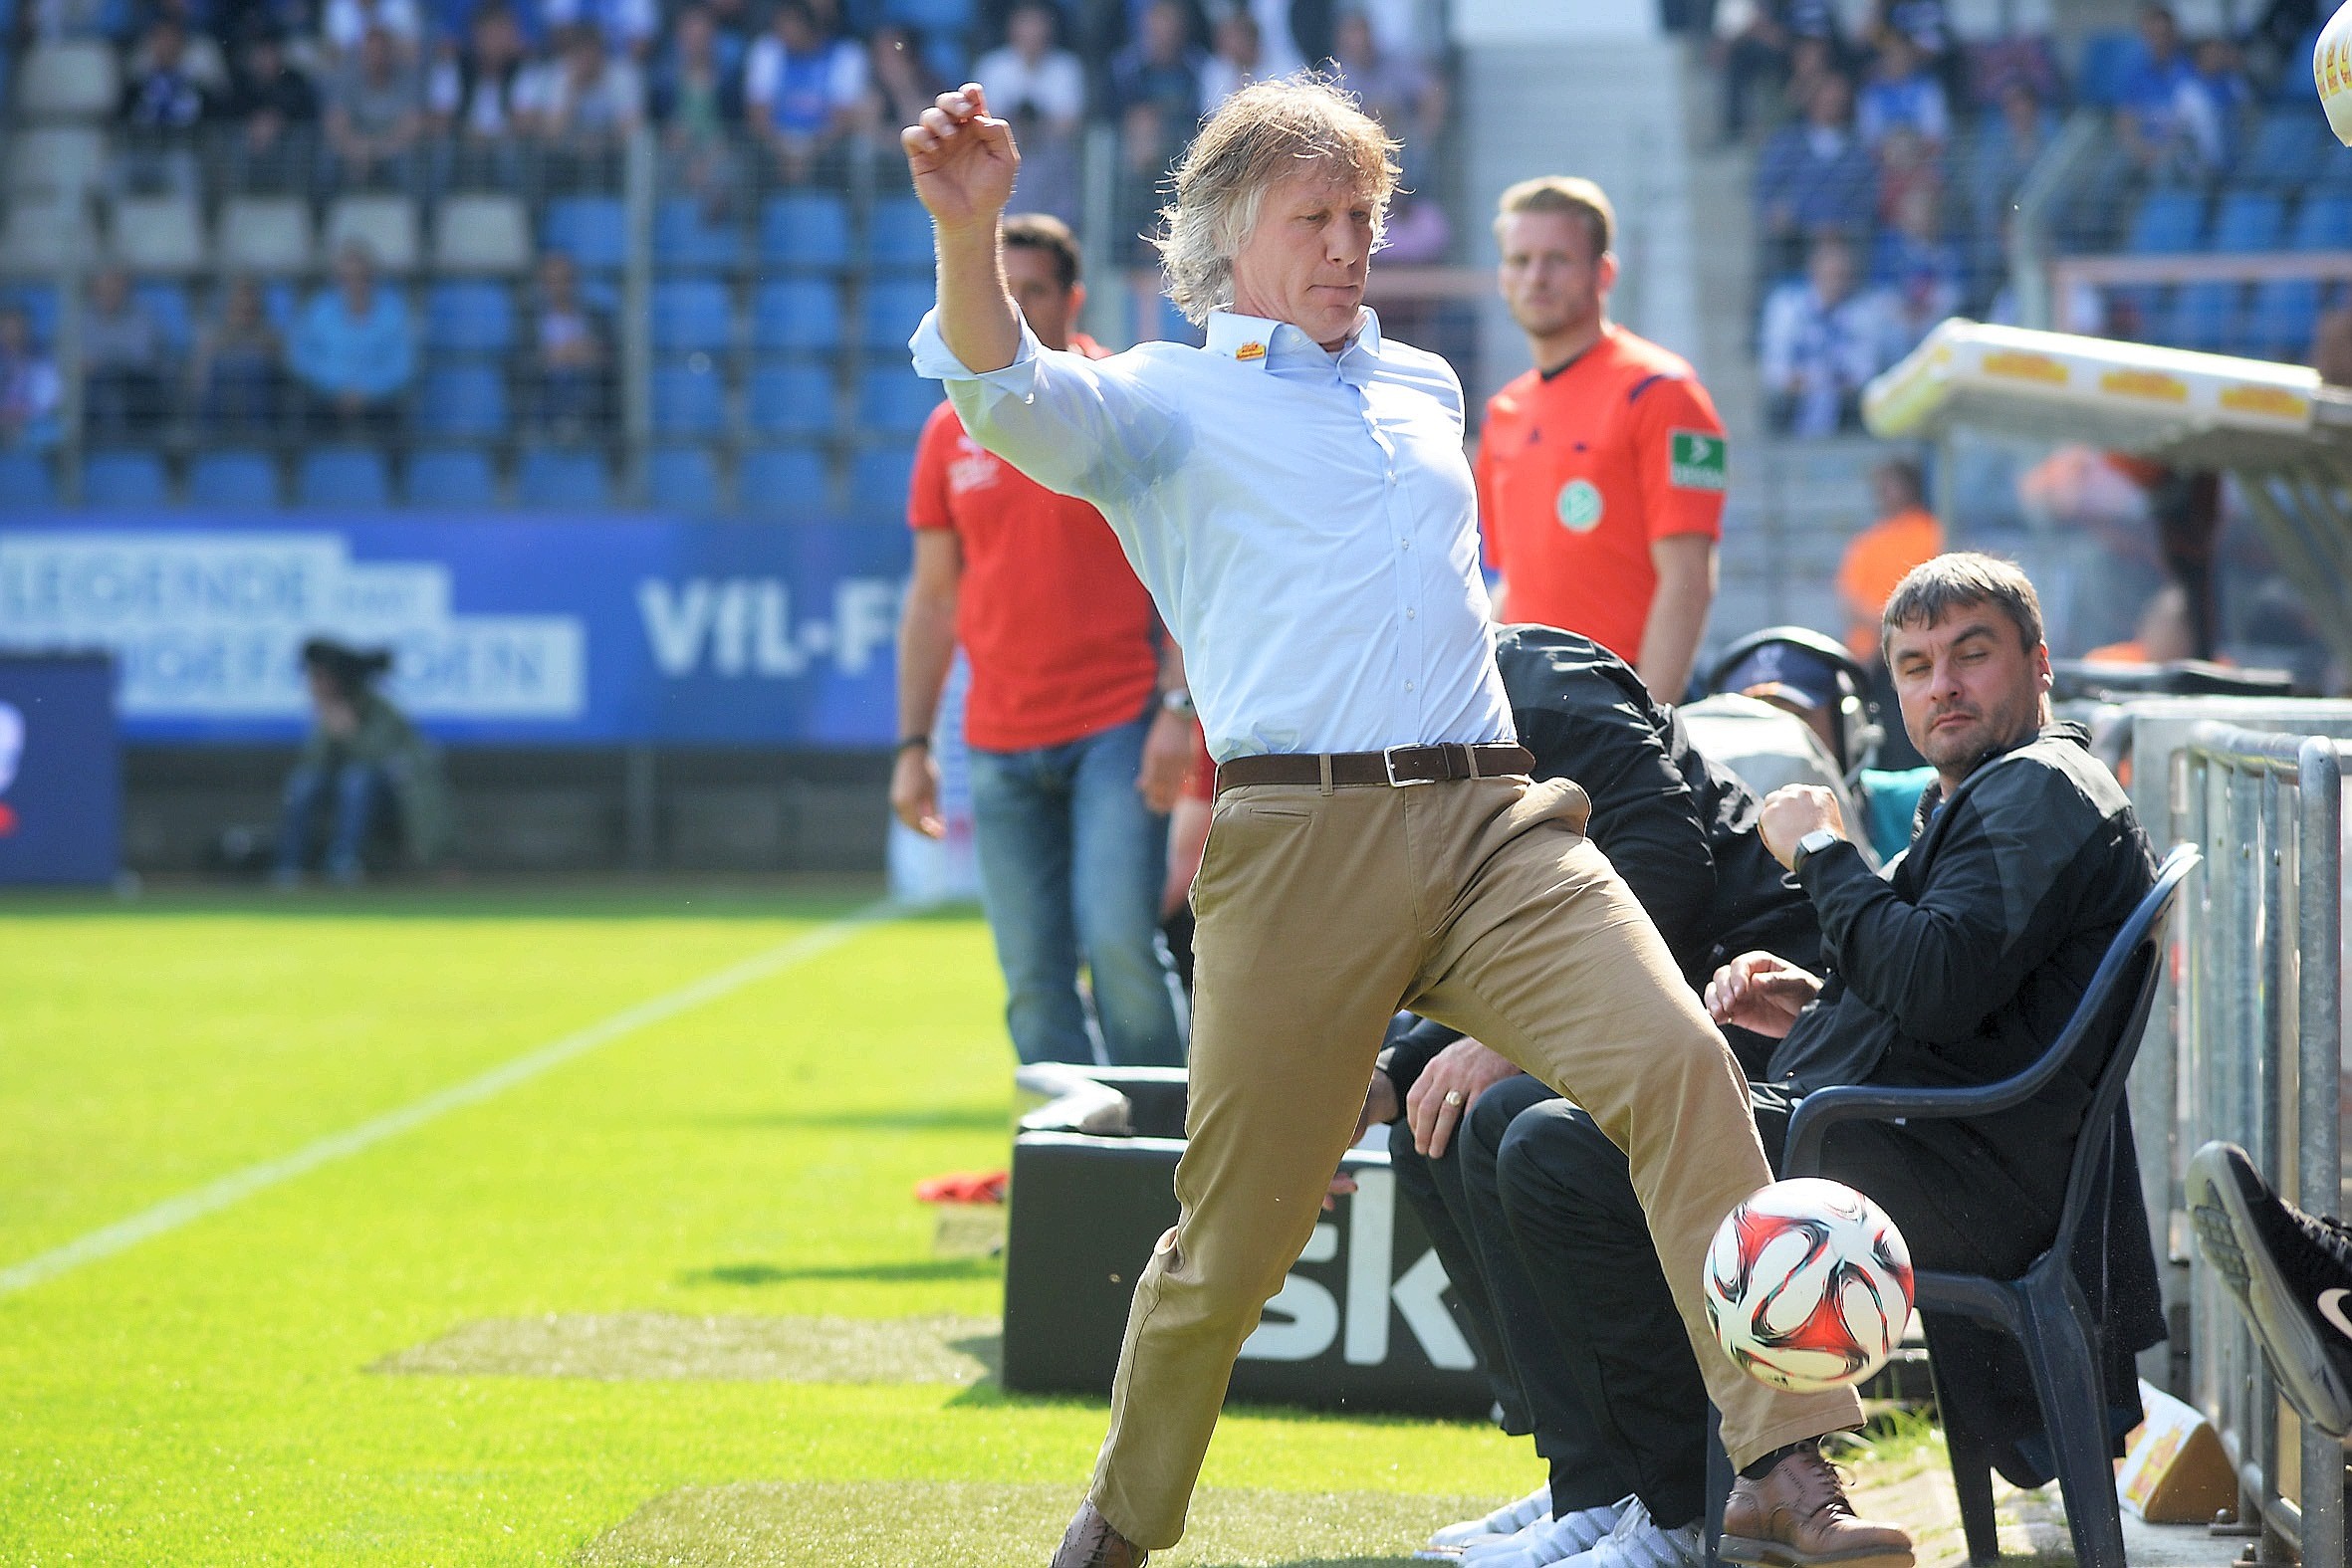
1957,967
1681,832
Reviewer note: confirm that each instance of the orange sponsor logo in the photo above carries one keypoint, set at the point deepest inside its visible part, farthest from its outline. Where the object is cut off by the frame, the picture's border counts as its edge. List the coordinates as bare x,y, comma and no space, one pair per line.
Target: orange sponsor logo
2154,385
2274,402
1250,350
2018,366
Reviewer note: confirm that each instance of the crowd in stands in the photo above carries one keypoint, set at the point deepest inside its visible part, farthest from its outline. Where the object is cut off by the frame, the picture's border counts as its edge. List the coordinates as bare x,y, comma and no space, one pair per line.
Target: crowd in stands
1889,158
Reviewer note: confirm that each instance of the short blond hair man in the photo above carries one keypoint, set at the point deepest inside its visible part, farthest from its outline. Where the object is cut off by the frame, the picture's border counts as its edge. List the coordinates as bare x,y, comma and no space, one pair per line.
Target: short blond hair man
1295,498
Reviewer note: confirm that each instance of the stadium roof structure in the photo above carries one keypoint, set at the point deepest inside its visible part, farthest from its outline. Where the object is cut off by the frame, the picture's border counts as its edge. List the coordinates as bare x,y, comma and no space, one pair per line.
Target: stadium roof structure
2282,434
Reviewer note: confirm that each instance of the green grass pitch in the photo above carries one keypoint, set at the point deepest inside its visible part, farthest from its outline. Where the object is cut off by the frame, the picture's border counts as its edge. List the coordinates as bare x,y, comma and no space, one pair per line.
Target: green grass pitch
226,1392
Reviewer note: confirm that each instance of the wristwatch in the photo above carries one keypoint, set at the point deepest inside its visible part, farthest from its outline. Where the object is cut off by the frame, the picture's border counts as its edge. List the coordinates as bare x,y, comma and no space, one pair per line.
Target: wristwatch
1178,700
1811,844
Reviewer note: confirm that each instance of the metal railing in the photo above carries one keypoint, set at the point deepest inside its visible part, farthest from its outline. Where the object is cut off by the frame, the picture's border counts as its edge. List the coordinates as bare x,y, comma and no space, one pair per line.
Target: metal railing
2258,1060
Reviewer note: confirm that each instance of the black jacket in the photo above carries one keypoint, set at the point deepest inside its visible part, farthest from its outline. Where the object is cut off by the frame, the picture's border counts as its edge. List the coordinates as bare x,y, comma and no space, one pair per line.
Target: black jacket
1679,829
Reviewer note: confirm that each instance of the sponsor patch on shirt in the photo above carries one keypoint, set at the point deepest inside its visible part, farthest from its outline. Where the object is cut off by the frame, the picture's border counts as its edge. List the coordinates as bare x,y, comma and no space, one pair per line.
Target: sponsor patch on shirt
1579,505
1250,350
1697,460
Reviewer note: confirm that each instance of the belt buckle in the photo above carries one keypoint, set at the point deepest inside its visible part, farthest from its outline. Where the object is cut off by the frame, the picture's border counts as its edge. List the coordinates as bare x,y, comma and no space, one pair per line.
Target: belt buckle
1388,762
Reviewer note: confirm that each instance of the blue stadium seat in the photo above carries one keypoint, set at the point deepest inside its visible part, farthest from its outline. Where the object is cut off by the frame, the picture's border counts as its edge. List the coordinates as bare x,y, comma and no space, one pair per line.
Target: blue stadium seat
233,478
692,315
344,476
796,315
2203,316
2287,148
38,301
898,236
930,16
279,302
462,403
790,400
591,230
2324,224
894,400
685,239
807,230
125,479
688,401
562,477
782,482
2108,58
25,480
2168,219
682,479
892,312
166,304
2281,320
878,480
2249,220
457,480
469,316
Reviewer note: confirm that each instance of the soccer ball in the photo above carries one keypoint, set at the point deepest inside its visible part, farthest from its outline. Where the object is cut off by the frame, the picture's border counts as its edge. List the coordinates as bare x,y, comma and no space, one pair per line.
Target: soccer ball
1808,1285
2331,73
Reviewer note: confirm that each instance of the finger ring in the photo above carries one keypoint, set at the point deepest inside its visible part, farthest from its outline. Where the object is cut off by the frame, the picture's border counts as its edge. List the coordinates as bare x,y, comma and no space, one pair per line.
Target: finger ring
1454,1098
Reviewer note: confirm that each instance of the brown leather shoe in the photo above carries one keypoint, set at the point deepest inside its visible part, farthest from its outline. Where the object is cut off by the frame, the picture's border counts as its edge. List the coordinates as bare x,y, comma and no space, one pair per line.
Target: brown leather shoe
1093,1543
1798,1516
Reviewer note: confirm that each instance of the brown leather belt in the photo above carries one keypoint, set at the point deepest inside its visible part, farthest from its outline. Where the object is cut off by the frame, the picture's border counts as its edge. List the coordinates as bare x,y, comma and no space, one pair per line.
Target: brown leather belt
1399,764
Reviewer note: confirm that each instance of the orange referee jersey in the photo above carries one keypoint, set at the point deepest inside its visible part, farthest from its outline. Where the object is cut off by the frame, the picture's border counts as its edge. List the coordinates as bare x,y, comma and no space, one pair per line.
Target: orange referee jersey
1579,471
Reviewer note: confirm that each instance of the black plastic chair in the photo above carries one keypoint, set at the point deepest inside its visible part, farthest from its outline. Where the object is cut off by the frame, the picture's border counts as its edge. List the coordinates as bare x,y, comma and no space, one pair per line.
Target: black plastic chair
2044,1310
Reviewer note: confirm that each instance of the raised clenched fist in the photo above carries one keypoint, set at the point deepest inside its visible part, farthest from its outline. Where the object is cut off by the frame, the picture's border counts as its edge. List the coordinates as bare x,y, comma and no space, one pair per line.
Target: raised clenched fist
961,158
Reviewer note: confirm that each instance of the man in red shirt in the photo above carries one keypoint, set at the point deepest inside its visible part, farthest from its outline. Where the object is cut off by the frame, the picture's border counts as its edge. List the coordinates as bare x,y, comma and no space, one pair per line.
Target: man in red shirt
1078,723
1601,471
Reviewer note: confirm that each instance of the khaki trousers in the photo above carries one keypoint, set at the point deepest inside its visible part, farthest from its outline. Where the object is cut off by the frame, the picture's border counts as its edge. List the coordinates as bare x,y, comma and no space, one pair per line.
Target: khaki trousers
1482,904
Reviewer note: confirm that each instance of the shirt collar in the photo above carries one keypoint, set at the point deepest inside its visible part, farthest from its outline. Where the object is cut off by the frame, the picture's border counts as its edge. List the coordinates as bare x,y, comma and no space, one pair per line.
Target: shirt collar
1253,340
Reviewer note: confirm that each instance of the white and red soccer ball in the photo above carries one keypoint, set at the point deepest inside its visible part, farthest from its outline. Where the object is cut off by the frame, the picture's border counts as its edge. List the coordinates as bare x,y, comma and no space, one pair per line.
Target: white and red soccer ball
1808,1285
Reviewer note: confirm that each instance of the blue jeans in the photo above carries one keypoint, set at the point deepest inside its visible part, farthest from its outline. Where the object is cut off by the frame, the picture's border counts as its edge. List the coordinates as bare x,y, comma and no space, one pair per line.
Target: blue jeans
355,791
1071,864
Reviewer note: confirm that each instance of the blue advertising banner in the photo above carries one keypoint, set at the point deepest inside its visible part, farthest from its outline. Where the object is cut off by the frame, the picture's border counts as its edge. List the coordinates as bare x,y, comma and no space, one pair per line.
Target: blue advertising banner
507,631
61,771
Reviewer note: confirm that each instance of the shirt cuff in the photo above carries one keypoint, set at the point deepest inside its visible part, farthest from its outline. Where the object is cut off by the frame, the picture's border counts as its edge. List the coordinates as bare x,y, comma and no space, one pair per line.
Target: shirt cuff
936,362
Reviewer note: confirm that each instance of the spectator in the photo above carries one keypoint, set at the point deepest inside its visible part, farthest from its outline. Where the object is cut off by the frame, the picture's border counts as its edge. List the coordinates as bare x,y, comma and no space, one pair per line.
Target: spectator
1905,535
162,108
624,27
1756,44
1918,266
354,353
568,358
349,22
237,377
122,367
2149,100
367,782
587,104
374,117
2331,347
1236,57
29,387
903,82
1394,90
2213,97
1902,92
276,112
1822,340
697,100
2004,149
477,97
1040,89
1292,34
1156,84
802,89
1925,25
1816,177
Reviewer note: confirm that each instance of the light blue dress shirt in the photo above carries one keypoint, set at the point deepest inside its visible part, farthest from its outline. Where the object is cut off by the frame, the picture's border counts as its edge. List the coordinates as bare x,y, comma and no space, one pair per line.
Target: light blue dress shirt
1305,520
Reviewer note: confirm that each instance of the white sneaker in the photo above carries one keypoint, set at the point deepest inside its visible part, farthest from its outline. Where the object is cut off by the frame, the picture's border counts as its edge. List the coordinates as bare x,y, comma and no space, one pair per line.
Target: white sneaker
1549,1541
1638,1543
1509,1519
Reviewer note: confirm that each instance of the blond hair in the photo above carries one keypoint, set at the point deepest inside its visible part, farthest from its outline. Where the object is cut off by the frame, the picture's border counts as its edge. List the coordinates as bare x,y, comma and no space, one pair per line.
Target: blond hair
1565,193
1256,137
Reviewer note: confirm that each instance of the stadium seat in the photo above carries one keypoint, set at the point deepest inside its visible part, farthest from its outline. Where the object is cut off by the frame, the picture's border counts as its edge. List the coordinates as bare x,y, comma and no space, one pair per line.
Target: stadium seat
692,315
125,479
233,478
38,302
685,239
790,400
682,479
894,400
156,234
452,479
805,230
893,310
65,160
2324,224
591,230
344,477
2203,316
462,403
688,401
466,316
2108,60
553,477
782,482
878,480
2281,320
268,234
43,234
166,304
796,315
25,480
71,79
898,236
2289,147
387,225
932,18
2168,219
2249,220
482,234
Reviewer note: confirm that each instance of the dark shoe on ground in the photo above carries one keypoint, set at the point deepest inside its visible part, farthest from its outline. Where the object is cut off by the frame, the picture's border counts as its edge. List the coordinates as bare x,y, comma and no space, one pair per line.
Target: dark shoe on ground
1798,1516
1093,1543
2290,1271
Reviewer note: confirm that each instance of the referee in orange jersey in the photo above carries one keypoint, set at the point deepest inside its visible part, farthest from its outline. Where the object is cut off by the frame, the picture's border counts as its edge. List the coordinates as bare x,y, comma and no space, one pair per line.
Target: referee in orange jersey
1601,471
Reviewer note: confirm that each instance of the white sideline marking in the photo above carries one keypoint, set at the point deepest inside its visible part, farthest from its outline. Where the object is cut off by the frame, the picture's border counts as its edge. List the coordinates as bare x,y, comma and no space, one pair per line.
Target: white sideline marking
238,1186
